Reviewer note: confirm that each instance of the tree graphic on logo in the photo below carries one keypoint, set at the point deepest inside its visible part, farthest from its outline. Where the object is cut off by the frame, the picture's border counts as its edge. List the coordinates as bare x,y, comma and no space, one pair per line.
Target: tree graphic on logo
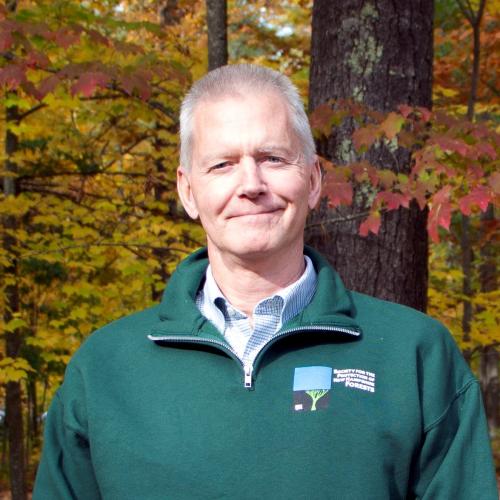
316,395
311,388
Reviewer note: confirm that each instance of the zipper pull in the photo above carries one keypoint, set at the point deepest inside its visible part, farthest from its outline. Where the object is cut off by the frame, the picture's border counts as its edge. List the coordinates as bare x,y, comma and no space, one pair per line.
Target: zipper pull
248,369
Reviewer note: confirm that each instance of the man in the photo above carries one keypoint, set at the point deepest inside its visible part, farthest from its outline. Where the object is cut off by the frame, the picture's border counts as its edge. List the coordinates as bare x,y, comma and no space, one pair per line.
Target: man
259,375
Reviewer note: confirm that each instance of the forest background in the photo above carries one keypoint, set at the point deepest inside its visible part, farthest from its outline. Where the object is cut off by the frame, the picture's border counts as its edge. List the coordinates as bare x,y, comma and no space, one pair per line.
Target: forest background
91,228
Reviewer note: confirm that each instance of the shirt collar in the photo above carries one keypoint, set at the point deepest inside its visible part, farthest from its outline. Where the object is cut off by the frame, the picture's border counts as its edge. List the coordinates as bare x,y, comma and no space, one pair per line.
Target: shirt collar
295,296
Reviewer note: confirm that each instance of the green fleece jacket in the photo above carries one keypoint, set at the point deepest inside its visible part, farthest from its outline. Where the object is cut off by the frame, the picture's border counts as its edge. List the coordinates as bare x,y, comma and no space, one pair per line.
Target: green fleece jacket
356,398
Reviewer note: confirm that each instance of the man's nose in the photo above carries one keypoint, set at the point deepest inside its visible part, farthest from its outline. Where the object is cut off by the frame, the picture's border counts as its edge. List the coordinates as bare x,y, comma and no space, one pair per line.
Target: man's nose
251,183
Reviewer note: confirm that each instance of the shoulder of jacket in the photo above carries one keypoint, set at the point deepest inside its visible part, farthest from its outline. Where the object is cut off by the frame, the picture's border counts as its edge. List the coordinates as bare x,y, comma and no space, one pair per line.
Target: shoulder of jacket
372,310
125,332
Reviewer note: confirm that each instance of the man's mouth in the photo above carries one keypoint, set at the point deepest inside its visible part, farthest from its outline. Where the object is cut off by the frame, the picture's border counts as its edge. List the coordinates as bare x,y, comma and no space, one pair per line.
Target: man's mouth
255,213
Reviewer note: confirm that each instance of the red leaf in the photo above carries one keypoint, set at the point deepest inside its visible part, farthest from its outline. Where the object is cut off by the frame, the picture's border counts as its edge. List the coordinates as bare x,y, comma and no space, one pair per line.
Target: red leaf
486,149
370,225
6,40
387,178
30,89
338,192
479,196
443,168
95,36
88,82
405,110
12,76
48,85
36,29
65,37
425,113
454,146
393,200
337,184
37,59
419,191
440,213
127,48
392,125
365,136
494,182
479,132
138,83
321,119
363,171
373,175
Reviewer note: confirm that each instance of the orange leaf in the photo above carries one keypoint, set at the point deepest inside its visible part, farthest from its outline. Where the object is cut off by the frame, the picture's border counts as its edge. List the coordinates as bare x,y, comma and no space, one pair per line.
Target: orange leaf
321,119
440,213
365,136
393,200
338,192
494,182
392,125
370,225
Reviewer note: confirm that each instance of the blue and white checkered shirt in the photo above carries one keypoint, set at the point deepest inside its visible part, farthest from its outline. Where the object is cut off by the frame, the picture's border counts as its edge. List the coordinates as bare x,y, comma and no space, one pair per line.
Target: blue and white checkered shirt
268,315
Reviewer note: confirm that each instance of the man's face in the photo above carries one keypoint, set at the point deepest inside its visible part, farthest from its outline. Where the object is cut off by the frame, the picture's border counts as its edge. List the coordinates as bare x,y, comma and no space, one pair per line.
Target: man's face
248,182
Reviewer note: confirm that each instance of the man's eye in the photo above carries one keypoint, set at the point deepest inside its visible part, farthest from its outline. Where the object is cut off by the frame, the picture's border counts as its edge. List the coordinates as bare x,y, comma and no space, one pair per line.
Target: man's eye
273,159
219,166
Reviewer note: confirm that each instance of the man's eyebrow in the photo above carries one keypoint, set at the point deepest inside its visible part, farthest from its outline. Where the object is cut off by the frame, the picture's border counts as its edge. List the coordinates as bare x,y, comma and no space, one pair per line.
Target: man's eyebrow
274,149
217,157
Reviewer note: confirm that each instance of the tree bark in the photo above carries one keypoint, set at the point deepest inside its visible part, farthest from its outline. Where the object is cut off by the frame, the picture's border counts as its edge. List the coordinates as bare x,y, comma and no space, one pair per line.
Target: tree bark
13,340
217,33
378,53
490,357
467,261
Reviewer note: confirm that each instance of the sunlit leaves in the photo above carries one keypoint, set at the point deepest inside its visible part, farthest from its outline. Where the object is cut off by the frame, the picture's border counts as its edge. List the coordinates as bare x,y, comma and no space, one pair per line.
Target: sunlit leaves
98,228
14,369
453,170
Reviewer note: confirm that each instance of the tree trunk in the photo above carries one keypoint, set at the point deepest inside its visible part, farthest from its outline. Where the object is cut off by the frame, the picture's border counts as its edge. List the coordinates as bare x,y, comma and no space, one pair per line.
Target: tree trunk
13,340
490,358
467,261
217,33
378,53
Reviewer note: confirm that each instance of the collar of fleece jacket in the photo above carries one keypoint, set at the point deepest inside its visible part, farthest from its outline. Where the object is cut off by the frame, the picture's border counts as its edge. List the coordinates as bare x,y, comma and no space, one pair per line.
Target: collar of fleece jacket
331,305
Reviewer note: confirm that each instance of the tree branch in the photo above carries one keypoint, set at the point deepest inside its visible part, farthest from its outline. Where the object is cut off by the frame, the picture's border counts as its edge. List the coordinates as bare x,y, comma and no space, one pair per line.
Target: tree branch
106,244
337,220
34,109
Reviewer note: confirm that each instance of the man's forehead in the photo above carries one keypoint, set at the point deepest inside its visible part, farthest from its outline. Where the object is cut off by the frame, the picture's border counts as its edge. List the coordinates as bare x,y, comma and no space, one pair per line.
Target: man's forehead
268,95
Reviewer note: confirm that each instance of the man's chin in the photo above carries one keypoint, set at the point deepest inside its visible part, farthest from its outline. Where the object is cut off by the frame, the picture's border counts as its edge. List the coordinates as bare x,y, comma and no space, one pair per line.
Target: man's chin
253,250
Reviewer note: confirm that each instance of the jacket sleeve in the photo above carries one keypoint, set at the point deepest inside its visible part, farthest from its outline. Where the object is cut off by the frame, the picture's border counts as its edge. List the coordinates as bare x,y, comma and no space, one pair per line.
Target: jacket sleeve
455,460
65,470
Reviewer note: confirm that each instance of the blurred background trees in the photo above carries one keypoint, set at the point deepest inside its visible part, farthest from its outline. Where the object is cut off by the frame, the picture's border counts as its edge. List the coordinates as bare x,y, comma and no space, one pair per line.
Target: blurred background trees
90,225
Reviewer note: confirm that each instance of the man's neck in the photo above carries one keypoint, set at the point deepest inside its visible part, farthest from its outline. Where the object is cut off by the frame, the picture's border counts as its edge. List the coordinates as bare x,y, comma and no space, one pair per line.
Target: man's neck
245,282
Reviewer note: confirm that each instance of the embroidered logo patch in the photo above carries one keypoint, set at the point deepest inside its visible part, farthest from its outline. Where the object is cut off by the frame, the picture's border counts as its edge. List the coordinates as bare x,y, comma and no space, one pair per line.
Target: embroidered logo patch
311,388
354,378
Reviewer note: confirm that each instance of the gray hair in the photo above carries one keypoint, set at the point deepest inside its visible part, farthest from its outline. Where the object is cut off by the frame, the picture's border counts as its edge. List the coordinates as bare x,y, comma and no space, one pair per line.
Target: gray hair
233,80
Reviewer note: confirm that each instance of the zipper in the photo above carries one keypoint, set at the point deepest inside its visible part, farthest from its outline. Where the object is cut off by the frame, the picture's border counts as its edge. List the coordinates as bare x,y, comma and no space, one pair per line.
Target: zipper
248,369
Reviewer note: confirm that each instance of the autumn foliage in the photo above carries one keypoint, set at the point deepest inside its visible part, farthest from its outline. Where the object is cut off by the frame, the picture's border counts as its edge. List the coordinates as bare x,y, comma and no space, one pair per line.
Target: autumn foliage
453,166
92,229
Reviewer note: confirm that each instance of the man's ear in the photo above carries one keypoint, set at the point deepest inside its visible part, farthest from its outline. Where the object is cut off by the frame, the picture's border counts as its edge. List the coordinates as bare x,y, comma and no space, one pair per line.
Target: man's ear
315,191
186,193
